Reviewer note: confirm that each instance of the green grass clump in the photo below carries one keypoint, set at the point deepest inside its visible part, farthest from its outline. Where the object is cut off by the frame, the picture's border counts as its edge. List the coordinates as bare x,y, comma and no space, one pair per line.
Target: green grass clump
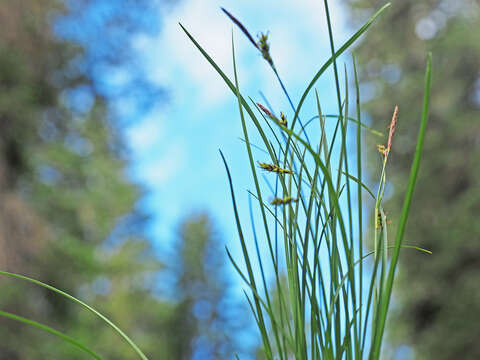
325,301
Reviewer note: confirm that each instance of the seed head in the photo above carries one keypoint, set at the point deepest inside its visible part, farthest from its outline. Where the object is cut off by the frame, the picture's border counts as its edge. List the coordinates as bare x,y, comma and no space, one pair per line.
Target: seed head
283,119
265,110
386,150
283,201
392,126
264,47
381,149
274,168
241,27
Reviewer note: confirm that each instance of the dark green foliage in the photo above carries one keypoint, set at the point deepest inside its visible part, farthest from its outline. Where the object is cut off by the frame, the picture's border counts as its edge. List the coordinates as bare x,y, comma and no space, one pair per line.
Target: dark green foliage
438,296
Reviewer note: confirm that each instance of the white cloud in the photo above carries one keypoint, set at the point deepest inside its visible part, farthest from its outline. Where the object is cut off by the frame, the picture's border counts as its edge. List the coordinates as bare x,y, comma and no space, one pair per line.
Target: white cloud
144,135
167,167
297,29
176,54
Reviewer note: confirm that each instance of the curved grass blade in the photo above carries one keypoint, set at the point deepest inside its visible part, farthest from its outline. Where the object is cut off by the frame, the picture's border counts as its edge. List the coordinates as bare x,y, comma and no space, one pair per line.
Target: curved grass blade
51,331
365,187
80,302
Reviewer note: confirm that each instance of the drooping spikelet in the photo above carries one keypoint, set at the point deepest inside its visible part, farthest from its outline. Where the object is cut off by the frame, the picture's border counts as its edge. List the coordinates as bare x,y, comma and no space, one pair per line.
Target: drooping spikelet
275,168
241,27
262,43
283,119
266,111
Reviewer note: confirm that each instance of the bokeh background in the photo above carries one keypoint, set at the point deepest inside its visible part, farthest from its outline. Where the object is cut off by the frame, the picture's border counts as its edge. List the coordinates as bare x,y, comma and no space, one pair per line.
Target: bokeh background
111,186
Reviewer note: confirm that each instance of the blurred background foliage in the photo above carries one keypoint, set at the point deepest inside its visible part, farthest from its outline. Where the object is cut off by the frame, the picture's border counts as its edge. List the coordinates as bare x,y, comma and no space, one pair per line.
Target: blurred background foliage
69,212
437,298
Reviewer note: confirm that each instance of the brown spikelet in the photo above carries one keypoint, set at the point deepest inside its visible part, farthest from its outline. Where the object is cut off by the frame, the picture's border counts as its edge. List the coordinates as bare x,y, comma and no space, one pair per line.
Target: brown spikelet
392,126
265,110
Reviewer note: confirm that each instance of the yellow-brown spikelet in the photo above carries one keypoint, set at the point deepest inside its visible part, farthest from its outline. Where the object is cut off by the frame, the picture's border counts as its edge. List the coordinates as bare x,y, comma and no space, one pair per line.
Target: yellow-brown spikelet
274,168
283,201
264,47
379,221
283,119
381,149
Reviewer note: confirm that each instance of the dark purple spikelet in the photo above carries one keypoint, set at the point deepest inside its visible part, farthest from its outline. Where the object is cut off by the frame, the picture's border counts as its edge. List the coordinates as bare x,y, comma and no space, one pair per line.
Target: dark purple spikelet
240,25
262,44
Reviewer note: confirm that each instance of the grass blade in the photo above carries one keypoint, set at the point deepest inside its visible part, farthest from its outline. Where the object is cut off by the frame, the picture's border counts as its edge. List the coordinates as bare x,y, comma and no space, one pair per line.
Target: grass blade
51,331
80,302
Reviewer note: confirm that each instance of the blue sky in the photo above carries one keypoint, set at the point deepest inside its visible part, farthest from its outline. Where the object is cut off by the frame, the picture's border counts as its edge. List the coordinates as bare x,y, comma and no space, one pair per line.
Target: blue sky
176,146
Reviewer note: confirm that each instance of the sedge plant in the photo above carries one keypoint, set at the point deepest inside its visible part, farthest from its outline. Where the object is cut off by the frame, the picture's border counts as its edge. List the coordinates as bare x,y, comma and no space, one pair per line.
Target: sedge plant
330,289
317,306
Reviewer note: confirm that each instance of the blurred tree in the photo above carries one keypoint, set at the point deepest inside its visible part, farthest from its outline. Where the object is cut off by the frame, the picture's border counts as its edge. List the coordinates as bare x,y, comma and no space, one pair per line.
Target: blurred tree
437,302
206,317
110,60
67,207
